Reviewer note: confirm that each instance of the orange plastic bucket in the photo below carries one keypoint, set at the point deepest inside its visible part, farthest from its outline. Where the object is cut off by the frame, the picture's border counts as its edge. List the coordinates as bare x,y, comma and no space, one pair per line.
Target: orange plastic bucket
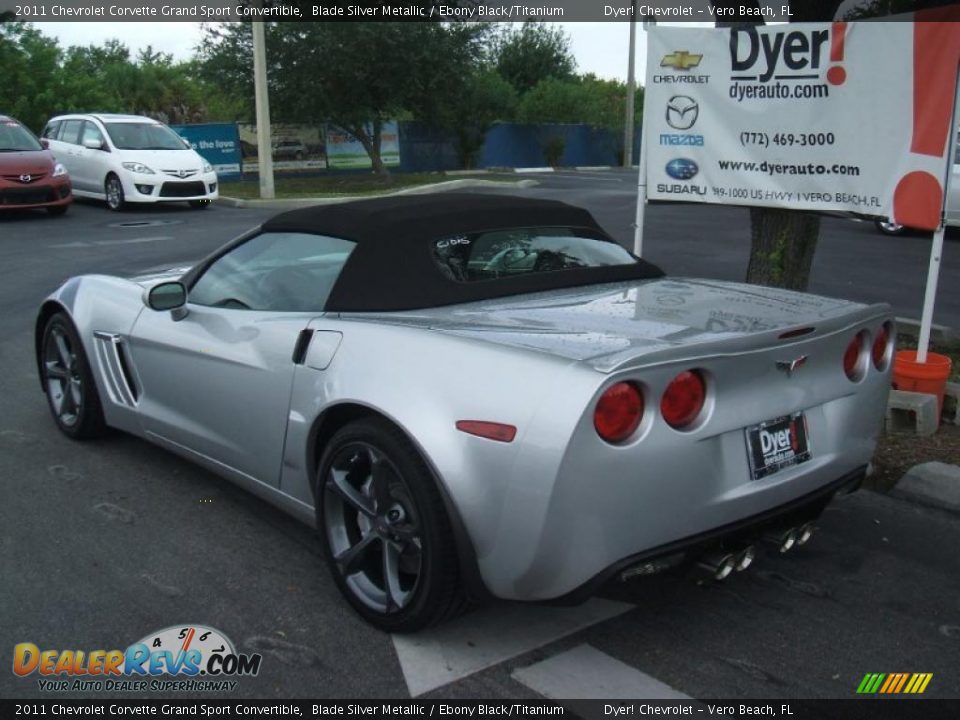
929,377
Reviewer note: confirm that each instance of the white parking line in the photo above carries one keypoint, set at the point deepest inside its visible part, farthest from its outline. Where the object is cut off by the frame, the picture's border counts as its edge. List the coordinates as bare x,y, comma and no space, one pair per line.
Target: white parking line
585,673
489,636
124,241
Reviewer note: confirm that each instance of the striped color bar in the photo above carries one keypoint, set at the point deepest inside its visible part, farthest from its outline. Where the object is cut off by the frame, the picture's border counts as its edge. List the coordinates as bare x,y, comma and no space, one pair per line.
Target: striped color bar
894,683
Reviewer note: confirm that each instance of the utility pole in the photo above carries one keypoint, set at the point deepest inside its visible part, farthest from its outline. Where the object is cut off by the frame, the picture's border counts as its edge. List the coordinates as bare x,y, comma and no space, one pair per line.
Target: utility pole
631,90
262,101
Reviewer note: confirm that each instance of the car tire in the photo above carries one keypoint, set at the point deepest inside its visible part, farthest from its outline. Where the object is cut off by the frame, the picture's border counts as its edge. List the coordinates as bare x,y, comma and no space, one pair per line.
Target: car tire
384,529
888,227
58,210
68,381
199,204
113,189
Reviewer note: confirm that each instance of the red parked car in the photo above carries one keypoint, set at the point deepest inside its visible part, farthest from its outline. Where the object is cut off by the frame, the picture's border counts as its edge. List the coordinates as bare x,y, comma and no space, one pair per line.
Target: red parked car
30,176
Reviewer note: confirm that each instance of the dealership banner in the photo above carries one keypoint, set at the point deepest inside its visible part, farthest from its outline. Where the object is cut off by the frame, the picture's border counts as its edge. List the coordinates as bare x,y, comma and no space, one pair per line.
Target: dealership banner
217,143
345,152
852,117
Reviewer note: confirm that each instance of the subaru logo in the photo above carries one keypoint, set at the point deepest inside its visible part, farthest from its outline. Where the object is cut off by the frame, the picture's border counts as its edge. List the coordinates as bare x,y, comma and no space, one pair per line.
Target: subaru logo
26,178
682,168
682,112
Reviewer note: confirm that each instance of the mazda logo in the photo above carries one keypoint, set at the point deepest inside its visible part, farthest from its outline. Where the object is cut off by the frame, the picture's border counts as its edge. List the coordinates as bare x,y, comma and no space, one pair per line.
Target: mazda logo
183,173
682,168
26,178
682,112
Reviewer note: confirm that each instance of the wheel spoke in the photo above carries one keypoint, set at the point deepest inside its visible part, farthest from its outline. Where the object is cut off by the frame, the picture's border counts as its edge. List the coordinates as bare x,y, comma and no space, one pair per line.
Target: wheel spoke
396,596
55,371
350,560
66,359
76,393
339,484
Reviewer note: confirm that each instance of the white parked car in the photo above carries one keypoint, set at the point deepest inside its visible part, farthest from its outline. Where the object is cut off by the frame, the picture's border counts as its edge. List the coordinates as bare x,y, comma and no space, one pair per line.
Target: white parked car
129,159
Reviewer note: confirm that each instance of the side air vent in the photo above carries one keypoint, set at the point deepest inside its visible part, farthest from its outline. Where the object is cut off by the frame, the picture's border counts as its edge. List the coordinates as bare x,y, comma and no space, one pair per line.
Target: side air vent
115,369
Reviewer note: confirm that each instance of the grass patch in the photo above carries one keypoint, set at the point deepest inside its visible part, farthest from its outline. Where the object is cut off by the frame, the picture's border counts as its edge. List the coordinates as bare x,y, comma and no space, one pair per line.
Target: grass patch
353,184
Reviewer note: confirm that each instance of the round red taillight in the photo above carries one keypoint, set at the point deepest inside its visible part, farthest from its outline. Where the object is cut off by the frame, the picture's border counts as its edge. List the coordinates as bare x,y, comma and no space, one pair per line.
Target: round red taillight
880,343
619,412
683,399
851,358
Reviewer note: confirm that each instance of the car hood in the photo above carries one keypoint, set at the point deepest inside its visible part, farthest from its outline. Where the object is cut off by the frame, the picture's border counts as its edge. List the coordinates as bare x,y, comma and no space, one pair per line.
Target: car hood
163,160
606,325
28,162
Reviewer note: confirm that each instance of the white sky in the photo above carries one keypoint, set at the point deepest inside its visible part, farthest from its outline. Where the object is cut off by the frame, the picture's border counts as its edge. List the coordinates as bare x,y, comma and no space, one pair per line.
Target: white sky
600,48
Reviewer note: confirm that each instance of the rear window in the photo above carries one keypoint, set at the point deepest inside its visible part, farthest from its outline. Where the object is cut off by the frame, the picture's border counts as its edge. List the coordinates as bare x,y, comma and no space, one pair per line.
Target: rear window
524,251
14,137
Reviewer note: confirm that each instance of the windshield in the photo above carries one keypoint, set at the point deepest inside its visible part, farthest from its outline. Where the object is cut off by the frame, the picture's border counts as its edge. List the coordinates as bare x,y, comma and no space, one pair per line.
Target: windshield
523,251
143,136
14,137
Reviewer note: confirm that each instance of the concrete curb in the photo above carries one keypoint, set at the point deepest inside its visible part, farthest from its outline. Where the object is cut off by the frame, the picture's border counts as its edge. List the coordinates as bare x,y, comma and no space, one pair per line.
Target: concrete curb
934,484
293,203
910,326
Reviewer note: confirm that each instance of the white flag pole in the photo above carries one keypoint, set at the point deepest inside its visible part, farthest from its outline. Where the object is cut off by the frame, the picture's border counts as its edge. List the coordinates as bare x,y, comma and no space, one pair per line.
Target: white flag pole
642,173
936,250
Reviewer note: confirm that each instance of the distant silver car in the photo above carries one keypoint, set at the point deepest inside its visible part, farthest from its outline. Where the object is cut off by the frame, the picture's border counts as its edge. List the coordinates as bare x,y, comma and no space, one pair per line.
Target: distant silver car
480,395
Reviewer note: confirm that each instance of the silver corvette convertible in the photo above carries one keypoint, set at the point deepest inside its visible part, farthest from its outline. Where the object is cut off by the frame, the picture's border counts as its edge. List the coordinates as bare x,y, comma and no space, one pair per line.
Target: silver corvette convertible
477,396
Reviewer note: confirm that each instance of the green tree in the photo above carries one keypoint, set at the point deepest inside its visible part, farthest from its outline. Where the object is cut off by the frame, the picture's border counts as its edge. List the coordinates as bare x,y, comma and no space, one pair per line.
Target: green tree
357,76
30,63
532,53
483,98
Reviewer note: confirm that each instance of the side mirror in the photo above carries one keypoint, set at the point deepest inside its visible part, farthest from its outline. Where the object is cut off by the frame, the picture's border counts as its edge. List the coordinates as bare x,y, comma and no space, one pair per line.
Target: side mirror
44,143
186,143
92,144
167,296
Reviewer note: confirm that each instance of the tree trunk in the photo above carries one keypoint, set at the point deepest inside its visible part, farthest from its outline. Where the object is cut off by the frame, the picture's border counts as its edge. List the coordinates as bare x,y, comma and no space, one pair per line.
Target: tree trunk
371,145
782,244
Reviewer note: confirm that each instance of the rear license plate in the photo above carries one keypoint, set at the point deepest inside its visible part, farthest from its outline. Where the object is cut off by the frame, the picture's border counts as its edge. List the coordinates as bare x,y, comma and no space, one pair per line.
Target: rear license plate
776,444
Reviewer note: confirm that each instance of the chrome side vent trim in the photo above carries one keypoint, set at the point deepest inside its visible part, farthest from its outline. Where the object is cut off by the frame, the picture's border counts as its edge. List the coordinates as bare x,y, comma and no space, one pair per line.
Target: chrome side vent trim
112,363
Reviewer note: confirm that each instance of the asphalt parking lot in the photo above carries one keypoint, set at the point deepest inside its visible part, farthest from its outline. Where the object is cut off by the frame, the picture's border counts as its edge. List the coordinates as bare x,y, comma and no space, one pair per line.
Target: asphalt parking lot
103,543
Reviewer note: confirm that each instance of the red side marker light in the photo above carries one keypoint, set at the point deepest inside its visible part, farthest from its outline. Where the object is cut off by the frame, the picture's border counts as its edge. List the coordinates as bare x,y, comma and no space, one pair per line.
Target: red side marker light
489,430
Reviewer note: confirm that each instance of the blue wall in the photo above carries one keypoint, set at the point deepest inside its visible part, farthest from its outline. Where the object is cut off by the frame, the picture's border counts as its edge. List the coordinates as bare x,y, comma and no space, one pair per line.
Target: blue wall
424,148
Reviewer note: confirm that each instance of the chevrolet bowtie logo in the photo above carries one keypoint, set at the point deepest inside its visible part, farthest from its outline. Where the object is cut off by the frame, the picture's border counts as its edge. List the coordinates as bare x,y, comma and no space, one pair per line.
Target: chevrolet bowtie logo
788,366
681,60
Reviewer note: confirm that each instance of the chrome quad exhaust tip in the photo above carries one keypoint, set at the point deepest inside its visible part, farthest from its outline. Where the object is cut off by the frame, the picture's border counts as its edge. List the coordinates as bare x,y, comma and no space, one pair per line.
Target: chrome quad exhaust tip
784,540
722,564
804,533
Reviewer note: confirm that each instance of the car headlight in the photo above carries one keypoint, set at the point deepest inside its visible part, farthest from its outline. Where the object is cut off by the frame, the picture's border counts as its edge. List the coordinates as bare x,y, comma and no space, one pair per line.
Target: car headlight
59,170
207,167
138,167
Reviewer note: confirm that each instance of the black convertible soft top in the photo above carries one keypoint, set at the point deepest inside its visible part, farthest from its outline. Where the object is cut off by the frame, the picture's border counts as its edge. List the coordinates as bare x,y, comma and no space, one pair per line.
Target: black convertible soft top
392,267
